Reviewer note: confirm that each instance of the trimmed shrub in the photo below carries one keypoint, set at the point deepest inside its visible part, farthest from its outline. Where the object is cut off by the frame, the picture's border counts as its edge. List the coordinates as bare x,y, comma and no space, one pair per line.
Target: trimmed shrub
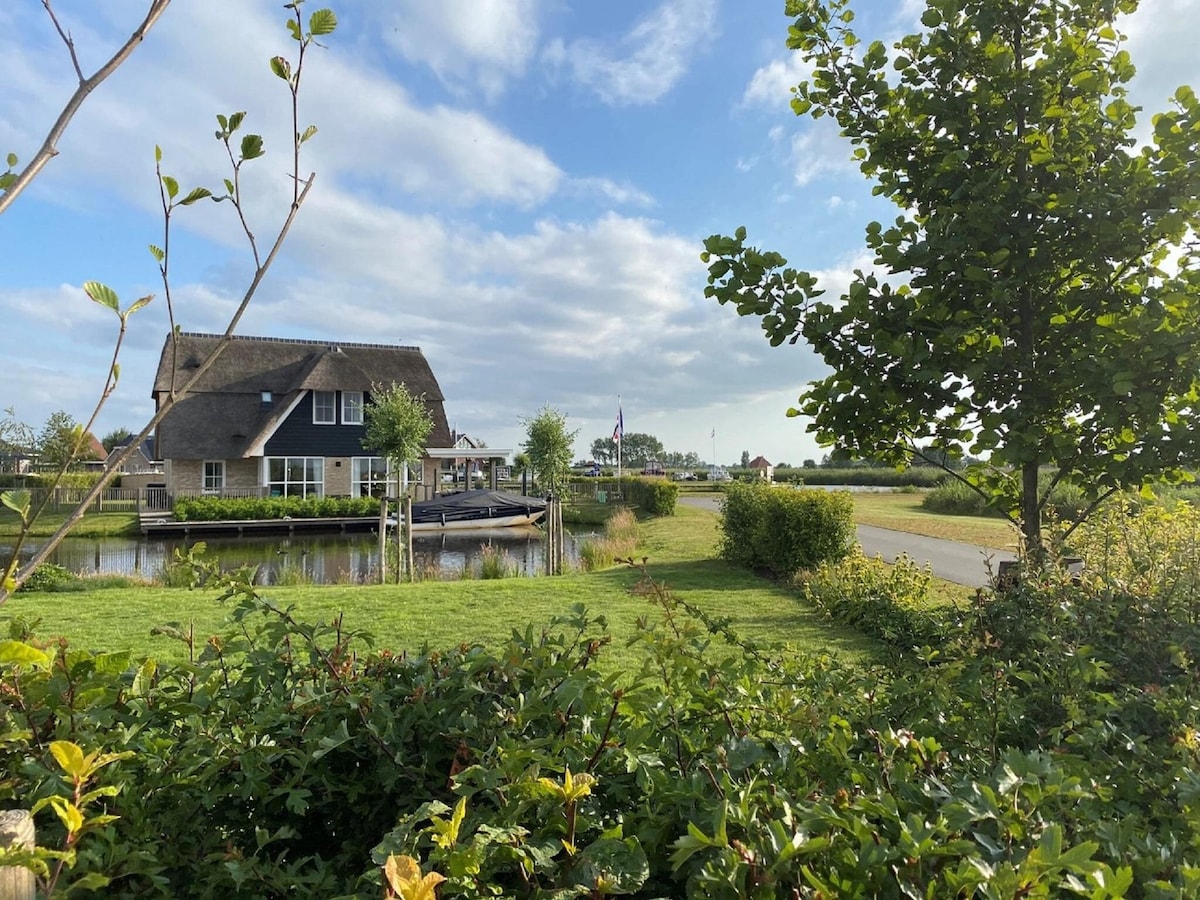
217,509
652,496
784,530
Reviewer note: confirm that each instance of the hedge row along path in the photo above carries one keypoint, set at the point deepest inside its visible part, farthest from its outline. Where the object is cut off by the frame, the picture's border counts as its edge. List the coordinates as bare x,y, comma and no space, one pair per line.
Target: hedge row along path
965,564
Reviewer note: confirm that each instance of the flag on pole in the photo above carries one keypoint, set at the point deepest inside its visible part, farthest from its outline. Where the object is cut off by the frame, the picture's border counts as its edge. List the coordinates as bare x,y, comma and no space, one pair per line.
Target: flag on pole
619,431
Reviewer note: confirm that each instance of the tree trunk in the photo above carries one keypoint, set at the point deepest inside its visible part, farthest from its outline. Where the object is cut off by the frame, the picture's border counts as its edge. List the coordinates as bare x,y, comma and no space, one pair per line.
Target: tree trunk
1031,515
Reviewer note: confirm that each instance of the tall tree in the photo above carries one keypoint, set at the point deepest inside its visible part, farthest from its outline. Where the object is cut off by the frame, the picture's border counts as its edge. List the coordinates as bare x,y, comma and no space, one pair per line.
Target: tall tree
604,450
548,444
397,425
1044,305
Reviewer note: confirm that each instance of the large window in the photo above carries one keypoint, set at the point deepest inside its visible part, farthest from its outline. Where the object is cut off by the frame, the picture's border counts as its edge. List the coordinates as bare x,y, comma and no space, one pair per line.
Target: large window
370,476
214,476
295,476
352,407
324,408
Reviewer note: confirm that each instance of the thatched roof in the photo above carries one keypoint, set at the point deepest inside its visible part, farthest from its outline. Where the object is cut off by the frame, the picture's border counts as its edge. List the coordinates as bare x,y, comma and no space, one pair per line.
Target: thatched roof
223,416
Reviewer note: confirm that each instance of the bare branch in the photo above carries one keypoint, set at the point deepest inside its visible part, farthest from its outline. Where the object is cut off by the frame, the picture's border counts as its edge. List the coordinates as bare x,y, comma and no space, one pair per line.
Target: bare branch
49,148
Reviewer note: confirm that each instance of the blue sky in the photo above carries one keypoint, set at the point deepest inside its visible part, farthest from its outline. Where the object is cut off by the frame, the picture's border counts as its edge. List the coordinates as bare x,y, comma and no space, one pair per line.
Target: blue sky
519,187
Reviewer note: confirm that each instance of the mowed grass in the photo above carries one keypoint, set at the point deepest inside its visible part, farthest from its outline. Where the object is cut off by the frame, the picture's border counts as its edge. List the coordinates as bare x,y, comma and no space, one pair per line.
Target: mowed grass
679,554
902,512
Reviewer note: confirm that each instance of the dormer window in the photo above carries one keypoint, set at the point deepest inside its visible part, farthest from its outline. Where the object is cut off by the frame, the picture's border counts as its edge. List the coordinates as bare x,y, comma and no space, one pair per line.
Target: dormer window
267,399
324,407
352,407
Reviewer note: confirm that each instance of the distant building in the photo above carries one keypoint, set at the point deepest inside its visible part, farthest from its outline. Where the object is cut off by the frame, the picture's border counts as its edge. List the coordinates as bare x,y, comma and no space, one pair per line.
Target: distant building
765,470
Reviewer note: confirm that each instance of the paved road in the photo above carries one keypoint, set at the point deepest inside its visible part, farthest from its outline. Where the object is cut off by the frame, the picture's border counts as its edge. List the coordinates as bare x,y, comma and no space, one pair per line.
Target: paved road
951,560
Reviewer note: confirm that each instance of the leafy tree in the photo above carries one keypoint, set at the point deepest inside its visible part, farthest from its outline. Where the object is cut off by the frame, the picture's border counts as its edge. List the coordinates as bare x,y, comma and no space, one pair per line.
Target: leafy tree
15,435
638,448
60,442
397,425
549,444
1043,310
604,450
114,437
745,460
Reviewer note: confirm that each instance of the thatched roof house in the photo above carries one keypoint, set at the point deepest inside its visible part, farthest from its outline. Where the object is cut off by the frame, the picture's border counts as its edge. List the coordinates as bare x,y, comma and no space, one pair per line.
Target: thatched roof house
281,416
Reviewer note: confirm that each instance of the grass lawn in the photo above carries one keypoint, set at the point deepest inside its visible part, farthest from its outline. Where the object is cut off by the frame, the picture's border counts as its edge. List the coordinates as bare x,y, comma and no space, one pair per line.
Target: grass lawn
442,614
903,512
92,525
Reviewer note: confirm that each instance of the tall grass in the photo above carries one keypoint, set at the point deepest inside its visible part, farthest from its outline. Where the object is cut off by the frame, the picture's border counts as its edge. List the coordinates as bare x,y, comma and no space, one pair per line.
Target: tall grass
619,540
494,563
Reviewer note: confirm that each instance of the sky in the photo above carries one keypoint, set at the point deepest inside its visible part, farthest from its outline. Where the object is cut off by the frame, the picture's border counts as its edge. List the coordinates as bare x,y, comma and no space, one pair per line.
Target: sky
521,188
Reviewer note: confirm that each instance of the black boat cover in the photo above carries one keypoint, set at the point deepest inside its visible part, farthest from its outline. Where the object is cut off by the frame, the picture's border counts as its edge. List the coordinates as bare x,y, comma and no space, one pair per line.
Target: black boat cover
470,505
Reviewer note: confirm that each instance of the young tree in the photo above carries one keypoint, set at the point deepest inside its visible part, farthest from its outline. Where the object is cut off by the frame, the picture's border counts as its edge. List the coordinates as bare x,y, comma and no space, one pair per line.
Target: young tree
397,425
549,444
1044,305
60,442
744,462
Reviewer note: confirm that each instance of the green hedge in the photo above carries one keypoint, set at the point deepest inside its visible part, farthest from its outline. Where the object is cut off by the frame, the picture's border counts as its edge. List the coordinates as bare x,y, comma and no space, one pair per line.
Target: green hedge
914,476
651,496
221,509
783,530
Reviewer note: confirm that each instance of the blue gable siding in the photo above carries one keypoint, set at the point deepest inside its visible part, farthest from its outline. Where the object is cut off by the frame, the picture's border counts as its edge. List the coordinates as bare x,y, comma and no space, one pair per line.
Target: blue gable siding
298,436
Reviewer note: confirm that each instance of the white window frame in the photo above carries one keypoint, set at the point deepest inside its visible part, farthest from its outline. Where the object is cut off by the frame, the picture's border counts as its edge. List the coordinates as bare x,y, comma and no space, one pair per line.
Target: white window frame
319,407
361,486
213,484
352,407
288,485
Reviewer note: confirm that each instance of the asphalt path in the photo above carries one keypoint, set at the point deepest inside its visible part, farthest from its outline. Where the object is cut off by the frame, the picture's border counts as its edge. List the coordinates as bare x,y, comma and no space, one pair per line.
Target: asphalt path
950,560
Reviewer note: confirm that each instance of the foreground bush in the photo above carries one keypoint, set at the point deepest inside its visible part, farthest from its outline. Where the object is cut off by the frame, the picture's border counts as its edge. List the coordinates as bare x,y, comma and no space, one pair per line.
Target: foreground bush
782,530
287,759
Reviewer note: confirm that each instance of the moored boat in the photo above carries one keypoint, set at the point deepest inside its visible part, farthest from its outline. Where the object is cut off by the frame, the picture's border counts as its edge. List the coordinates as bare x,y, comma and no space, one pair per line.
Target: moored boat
476,509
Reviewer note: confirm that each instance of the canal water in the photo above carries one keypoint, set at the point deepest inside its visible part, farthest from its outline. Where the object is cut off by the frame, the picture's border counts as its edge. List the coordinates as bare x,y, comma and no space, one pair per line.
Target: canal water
321,559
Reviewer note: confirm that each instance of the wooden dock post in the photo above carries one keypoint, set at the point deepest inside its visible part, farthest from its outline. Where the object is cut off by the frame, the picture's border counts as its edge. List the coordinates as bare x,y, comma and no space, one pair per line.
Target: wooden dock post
383,508
408,537
16,830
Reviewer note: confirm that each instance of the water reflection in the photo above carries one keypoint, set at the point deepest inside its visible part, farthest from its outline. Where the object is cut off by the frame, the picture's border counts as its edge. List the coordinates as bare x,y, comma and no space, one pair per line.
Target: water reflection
323,559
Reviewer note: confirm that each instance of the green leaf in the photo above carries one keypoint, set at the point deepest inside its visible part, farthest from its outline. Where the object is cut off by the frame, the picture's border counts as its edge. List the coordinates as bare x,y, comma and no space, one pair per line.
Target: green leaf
17,653
196,194
281,67
235,121
308,132
17,501
252,146
12,160
323,21
70,757
102,294
157,153
293,28
171,185
139,303
157,252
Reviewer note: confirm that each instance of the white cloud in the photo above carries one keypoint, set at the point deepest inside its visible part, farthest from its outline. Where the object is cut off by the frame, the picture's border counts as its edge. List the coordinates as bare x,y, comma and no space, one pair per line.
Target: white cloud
772,84
487,42
819,151
621,194
648,60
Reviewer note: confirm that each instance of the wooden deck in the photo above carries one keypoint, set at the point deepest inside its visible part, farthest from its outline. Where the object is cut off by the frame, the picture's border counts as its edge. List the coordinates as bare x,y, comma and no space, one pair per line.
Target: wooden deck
164,525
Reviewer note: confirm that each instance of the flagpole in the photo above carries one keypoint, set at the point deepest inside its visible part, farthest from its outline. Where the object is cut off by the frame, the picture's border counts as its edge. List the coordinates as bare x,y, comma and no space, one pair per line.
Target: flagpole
620,436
